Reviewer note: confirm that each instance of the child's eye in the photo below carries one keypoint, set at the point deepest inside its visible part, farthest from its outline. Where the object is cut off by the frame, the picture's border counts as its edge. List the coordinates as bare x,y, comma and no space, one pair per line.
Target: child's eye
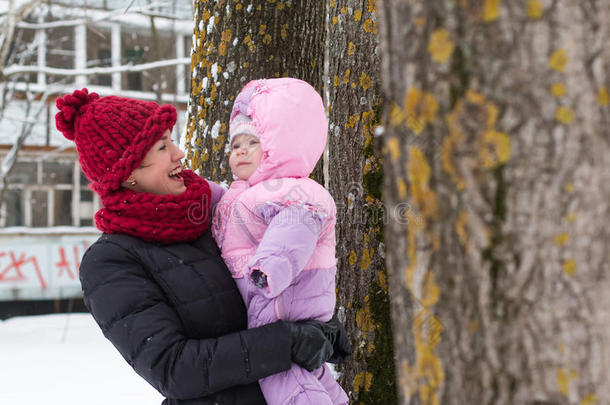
253,142
235,146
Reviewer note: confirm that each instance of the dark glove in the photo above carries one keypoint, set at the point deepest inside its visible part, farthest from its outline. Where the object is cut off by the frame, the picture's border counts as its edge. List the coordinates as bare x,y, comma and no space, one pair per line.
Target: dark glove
309,346
341,346
258,278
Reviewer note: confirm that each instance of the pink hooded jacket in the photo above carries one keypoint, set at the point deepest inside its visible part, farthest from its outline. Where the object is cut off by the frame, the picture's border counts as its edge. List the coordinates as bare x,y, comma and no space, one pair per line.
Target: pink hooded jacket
279,220
282,223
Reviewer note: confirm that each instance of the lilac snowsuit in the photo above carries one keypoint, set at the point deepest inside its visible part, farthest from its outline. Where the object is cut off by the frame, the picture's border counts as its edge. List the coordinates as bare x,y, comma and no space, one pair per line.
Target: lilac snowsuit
283,223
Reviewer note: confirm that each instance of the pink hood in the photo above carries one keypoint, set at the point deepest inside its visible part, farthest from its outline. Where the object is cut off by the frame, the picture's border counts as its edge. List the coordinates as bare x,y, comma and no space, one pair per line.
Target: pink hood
289,117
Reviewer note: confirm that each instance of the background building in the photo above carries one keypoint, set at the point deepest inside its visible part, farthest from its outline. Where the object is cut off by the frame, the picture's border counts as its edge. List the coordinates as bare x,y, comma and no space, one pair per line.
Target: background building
49,49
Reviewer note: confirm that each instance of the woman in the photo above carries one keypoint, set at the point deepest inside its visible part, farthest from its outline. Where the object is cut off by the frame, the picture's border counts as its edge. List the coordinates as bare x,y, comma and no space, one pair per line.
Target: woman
154,281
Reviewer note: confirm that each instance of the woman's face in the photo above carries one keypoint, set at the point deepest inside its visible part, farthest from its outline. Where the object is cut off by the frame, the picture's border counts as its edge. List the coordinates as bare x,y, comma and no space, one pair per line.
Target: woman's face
246,154
159,172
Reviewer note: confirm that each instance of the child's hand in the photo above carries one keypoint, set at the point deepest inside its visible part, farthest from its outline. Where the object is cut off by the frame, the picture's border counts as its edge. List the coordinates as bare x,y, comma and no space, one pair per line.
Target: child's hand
258,278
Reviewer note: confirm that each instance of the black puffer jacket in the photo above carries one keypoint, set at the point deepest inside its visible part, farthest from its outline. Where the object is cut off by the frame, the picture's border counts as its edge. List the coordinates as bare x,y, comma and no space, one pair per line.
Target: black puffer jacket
176,316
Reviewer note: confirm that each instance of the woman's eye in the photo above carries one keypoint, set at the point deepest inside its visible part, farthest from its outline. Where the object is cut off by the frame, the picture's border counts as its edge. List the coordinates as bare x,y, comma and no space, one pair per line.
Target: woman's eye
163,147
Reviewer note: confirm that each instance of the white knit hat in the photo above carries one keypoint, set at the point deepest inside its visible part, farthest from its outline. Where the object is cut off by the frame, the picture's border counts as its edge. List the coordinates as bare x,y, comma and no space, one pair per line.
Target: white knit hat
242,124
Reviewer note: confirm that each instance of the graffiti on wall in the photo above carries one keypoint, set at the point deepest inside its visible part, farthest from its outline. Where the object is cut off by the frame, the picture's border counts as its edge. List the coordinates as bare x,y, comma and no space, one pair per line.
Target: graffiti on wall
41,266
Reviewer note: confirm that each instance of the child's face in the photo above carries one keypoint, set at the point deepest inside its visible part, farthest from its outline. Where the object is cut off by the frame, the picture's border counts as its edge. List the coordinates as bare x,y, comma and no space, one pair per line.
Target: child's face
246,154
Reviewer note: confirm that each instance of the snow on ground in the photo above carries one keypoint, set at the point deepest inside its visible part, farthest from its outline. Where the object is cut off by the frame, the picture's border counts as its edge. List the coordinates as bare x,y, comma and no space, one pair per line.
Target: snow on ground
65,359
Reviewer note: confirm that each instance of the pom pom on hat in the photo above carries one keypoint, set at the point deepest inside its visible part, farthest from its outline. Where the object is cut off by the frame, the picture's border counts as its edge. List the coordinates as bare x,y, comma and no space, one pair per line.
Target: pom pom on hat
70,107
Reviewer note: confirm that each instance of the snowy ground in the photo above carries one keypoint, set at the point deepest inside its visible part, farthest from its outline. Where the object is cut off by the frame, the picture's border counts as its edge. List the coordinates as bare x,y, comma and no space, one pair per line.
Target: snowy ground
64,359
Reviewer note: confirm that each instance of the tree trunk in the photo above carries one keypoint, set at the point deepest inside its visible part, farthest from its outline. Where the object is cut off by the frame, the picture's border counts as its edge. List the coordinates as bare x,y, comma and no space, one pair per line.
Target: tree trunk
497,152
355,183
233,43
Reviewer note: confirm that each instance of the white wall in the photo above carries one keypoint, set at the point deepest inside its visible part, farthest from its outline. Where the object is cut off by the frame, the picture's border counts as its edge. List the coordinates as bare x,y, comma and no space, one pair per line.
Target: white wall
42,265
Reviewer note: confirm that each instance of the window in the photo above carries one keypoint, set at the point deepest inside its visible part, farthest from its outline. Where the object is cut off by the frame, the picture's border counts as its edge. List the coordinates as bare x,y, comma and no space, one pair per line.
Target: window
46,193
105,44
139,48
134,51
60,52
99,54
24,51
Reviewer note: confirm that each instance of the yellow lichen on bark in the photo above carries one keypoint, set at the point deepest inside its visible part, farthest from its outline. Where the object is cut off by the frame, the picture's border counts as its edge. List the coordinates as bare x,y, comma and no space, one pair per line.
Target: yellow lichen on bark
393,146
383,283
562,239
534,9
564,115
418,175
569,267
447,151
370,26
351,48
364,318
346,76
371,6
397,116
563,380
495,149
365,81
420,109
428,371
441,46
363,381
602,96
401,186
365,262
491,10
353,258
590,399
558,60
352,120
558,89
218,143
430,291
460,228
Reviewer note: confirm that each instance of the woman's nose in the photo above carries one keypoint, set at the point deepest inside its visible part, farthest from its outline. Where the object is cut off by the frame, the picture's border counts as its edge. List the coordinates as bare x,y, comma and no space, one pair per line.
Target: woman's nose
177,153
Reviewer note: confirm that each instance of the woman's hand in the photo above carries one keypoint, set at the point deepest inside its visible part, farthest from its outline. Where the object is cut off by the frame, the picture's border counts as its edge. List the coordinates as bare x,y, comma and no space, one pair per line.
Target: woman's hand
314,343
309,346
341,346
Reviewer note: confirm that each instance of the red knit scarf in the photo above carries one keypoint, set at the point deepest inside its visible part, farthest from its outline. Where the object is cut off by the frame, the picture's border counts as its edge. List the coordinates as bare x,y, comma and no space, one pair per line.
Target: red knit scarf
158,218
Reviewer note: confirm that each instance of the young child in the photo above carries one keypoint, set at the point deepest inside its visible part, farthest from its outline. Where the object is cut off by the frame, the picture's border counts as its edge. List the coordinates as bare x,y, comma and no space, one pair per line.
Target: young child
276,227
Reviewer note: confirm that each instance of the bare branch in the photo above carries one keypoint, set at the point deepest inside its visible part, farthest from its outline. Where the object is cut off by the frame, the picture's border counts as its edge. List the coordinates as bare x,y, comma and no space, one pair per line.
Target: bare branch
80,21
16,69
14,16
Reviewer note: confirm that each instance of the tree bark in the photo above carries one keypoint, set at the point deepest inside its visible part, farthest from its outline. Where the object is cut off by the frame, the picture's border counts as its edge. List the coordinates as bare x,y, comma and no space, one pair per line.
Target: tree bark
497,145
355,183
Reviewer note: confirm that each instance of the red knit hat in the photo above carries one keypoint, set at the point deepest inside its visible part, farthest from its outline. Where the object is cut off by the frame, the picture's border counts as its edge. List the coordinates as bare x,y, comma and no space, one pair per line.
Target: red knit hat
112,134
